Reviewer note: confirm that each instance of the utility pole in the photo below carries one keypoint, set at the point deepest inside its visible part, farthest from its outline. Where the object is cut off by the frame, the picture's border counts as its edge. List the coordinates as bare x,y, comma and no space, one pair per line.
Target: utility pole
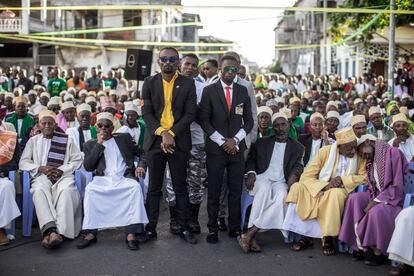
391,49
325,54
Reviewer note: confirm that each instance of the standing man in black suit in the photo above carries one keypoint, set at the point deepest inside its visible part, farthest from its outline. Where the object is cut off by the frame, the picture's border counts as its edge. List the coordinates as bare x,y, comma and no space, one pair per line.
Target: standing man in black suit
170,105
226,117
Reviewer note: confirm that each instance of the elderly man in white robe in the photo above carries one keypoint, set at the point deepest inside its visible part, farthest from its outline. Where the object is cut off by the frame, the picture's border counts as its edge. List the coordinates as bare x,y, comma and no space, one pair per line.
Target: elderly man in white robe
274,163
403,139
85,131
114,197
51,158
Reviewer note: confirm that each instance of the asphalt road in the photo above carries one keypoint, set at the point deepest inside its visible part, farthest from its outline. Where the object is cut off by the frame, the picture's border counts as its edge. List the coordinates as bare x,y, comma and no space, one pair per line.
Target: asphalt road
169,255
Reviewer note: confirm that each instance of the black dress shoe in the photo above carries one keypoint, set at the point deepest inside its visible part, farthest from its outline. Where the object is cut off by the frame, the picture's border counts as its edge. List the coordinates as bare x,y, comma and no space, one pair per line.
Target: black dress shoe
194,227
188,237
222,226
132,244
357,255
234,233
212,237
376,260
147,236
175,228
83,243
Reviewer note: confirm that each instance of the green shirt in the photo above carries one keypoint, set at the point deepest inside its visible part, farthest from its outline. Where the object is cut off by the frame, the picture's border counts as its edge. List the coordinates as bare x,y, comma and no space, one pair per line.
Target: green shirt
55,86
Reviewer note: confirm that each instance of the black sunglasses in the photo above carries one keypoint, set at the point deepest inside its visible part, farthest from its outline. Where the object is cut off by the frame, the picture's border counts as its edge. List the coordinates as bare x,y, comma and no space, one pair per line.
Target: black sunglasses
172,59
99,125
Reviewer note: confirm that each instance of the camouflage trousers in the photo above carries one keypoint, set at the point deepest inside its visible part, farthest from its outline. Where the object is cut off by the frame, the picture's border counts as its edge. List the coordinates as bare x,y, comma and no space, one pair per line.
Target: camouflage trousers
196,175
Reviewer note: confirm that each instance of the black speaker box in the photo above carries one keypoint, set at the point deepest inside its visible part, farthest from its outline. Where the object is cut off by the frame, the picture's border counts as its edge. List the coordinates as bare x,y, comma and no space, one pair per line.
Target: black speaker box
138,64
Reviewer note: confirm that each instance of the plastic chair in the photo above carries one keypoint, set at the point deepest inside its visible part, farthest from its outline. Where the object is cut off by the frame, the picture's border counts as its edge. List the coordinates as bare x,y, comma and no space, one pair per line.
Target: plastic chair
12,230
245,201
28,206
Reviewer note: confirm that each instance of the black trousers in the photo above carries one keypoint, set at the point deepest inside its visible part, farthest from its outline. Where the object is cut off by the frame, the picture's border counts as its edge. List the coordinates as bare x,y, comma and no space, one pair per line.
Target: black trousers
216,164
177,162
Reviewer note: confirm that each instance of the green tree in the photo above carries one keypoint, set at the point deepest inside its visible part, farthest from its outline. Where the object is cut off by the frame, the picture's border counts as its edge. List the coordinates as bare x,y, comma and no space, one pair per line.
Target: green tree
275,68
368,24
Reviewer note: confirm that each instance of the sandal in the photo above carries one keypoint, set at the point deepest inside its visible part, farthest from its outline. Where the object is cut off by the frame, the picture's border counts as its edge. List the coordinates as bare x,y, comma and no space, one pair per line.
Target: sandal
254,247
401,269
302,244
328,248
243,245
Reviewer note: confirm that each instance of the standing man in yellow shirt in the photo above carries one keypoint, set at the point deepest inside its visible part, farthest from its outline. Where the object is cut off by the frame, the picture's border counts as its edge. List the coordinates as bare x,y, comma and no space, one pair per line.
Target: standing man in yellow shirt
170,105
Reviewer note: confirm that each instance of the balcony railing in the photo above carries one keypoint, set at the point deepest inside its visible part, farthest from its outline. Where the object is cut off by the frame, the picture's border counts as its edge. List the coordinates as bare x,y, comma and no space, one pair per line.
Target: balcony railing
10,25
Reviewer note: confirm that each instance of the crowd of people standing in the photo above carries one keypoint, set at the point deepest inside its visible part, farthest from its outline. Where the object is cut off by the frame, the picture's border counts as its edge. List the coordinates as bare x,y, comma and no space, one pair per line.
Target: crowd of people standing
299,145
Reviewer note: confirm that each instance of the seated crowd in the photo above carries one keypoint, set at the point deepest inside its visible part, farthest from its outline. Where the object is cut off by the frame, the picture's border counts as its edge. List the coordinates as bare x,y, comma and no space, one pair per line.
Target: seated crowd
299,146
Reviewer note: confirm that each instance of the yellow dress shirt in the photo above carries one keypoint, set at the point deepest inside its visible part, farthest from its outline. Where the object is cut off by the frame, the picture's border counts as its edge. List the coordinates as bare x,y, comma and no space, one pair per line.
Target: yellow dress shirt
167,118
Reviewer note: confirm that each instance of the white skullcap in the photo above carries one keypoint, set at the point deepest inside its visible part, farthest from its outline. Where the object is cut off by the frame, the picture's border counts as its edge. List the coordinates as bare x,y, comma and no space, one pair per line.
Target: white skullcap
366,137
374,110
32,92
334,103
9,95
45,94
316,115
47,113
62,93
68,97
112,92
19,90
90,99
129,106
83,107
333,114
72,90
279,115
104,115
83,92
54,101
287,112
265,109
67,105
101,93
358,119
38,108
357,101
400,117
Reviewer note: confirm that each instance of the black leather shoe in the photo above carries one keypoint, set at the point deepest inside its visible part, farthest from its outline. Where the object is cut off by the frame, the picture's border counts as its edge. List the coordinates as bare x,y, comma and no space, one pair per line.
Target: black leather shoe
147,236
234,233
132,244
195,227
83,243
175,228
188,237
222,226
212,237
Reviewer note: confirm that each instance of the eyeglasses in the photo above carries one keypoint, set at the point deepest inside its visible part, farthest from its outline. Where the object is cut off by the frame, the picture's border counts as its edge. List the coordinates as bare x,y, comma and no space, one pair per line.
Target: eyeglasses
172,59
99,125
230,69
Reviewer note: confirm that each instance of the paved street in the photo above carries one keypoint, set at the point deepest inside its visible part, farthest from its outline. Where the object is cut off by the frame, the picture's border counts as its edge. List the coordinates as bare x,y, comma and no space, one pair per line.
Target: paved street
169,255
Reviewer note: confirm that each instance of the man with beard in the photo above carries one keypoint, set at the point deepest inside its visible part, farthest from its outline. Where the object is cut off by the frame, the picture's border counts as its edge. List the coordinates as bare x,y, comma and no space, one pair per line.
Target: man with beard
268,180
85,131
317,201
113,198
378,128
170,106
368,220
67,117
315,140
51,158
403,139
264,116
226,117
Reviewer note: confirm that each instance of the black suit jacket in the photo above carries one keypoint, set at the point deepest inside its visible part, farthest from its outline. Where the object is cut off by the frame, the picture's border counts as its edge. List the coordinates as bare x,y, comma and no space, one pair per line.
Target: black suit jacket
260,156
94,160
184,108
306,141
215,115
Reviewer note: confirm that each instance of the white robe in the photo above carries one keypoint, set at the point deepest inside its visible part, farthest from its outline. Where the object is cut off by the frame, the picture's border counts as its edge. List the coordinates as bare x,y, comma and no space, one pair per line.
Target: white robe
134,132
60,202
407,147
401,247
73,132
269,191
113,200
8,207
311,227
